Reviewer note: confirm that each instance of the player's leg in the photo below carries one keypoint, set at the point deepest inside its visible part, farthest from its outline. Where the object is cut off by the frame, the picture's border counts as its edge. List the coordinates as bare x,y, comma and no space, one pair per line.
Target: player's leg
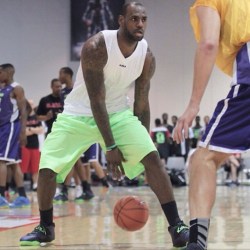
217,143
55,164
95,164
62,196
78,184
34,167
3,178
159,181
202,192
22,199
140,154
9,152
100,173
82,168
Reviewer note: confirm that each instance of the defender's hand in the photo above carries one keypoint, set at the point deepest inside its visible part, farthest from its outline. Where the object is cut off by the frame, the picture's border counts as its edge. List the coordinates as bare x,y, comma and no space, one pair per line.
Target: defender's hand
184,122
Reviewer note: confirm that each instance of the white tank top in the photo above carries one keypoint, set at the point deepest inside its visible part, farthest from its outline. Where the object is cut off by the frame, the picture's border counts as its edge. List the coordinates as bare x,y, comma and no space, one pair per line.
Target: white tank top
119,74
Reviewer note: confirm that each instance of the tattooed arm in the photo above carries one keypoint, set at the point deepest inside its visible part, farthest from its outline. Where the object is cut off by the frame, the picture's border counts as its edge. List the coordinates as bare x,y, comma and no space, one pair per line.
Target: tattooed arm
93,59
142,86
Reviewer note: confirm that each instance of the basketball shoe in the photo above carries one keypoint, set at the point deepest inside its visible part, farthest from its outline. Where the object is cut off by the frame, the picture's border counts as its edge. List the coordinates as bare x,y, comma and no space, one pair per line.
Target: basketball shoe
88,195
3,202
193,246
60,198
39,236
179,234
19,202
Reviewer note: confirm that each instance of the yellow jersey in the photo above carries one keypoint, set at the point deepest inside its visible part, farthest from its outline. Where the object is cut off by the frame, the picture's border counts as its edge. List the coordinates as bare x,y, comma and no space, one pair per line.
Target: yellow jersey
235,28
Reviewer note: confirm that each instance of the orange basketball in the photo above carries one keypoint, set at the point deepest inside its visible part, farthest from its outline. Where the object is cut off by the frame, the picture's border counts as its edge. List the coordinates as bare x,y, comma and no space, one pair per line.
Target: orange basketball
131,213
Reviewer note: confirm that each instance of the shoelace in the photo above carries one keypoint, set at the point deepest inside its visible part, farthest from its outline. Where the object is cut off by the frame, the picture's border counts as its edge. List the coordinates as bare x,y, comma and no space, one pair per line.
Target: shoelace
39,228
181,228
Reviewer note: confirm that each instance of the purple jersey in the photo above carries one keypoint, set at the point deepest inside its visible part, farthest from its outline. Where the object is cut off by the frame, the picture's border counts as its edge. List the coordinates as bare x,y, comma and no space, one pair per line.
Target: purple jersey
8,106
242,66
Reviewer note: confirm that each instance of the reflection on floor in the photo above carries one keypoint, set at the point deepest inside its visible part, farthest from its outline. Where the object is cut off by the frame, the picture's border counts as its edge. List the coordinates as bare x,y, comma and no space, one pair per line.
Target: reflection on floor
90,225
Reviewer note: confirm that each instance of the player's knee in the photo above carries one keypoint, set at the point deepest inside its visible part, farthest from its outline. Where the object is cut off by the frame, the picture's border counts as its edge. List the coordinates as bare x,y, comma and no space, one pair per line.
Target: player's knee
47,174
203,156
152,162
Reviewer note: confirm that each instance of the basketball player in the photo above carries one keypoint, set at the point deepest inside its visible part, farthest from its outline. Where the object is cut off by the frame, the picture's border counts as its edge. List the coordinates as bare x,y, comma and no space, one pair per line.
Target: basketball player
31,152
96,110
12,133
161,137
222,30
65,77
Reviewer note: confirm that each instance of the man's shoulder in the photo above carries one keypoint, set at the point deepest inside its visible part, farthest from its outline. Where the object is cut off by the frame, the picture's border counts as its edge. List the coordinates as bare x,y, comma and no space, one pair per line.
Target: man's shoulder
15,85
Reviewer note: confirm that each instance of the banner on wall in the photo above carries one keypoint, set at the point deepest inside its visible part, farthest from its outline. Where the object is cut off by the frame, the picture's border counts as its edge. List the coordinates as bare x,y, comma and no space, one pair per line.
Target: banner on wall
88,17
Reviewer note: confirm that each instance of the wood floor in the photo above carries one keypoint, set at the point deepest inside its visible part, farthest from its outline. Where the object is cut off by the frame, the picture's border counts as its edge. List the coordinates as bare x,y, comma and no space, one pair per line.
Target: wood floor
91,226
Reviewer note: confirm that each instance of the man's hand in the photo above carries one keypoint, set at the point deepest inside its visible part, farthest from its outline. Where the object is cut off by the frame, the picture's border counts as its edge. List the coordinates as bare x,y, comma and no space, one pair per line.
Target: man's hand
183,124
49,115
114,161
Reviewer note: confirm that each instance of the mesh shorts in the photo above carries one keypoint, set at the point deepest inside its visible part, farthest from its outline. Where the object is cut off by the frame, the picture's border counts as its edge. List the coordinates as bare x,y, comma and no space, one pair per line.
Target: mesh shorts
72,135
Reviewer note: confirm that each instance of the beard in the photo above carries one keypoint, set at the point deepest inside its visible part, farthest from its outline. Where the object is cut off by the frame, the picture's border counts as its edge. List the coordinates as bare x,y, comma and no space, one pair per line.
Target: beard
132,37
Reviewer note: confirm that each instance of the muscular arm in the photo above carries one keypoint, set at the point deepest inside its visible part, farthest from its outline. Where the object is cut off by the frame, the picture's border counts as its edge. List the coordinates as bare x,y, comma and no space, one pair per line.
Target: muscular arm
142,86
18,93
205,57
93,59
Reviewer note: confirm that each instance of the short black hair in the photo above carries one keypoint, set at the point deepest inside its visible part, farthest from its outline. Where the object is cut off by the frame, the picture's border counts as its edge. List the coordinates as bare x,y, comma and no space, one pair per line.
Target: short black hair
68,70
7,66
157,122
53,81
126,5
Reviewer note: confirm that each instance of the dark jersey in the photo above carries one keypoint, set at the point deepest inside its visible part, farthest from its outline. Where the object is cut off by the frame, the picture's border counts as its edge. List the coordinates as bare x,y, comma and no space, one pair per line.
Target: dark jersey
32,140
48,103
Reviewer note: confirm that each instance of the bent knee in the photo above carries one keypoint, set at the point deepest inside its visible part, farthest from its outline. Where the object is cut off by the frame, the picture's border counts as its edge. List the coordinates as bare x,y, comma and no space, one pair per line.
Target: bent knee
152,160
47,174
206,156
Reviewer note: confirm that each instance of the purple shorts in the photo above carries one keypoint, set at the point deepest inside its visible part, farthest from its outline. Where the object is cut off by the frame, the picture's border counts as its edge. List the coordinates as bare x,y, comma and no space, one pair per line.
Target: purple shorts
92,154
229,129
9,142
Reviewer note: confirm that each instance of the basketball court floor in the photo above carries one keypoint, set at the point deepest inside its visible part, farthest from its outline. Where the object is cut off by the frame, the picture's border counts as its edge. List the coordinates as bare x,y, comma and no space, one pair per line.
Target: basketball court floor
91,226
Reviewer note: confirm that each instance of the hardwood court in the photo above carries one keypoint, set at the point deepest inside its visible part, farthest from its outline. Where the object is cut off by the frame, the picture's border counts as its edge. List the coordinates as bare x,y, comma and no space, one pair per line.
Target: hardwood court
91,226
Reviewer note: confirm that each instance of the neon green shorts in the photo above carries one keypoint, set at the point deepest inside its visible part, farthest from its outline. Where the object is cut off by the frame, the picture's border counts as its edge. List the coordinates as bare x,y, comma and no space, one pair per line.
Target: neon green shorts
73,135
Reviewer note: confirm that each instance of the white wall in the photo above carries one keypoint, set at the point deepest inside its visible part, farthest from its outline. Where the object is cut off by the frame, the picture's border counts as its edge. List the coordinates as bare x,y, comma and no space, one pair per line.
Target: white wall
35,37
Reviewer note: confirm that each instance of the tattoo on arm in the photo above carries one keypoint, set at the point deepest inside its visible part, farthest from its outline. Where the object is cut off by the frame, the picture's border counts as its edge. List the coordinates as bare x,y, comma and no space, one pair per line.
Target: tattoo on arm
142,86
93,59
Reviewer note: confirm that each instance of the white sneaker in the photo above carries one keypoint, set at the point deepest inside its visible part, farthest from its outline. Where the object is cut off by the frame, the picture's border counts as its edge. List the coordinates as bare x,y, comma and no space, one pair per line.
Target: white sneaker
78,190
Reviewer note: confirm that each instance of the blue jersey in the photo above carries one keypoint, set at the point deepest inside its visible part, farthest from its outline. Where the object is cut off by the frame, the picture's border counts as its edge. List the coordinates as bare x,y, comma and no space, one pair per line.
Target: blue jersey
242,66
8,106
